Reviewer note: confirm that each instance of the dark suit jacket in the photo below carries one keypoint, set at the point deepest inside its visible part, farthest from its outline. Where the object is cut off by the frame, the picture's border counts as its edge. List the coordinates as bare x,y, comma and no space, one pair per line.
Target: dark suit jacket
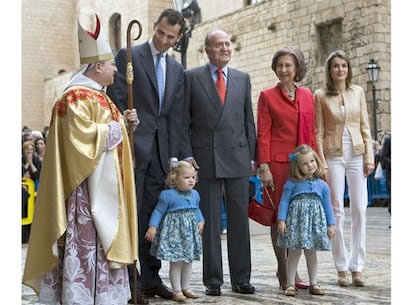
386,157
168,124
221,139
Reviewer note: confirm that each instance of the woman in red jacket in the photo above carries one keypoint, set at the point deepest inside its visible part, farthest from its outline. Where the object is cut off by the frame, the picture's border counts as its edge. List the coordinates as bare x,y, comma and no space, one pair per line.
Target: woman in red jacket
284,121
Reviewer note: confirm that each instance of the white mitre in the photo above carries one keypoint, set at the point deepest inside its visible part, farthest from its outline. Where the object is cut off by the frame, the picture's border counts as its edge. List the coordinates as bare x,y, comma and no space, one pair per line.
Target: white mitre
93,47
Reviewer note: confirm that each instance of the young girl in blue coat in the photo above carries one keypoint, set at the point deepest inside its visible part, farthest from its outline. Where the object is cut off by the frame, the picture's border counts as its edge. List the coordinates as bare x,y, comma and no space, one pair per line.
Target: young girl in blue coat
305,216
175,228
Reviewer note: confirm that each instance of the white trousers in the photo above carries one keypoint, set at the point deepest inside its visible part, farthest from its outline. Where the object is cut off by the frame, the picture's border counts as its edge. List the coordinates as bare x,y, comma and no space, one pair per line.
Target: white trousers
351,167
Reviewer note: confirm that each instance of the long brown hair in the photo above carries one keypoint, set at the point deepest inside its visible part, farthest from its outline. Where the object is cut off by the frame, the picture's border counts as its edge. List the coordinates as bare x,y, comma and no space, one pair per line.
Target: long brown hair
329,83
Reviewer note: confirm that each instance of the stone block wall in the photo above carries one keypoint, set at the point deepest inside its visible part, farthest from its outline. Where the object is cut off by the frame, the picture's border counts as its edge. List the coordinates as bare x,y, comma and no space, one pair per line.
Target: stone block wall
362,28
47,47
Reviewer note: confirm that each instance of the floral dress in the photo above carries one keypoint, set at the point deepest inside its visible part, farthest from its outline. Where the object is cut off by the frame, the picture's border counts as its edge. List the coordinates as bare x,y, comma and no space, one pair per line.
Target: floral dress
306,226
177,238
306,208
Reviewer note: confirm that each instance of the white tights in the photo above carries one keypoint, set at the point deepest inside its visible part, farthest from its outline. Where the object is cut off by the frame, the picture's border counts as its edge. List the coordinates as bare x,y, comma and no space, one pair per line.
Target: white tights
311,263
180,274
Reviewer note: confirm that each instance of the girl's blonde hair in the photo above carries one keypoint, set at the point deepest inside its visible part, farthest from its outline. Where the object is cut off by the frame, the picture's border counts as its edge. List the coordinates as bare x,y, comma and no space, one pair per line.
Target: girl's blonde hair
294,172
176,171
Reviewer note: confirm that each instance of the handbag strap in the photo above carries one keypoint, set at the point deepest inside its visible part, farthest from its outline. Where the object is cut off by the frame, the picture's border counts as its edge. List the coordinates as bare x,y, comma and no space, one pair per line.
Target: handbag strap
270,198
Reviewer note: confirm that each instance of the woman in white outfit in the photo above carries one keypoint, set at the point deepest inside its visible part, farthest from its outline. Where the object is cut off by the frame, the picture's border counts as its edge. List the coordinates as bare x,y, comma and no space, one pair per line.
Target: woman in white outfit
344,143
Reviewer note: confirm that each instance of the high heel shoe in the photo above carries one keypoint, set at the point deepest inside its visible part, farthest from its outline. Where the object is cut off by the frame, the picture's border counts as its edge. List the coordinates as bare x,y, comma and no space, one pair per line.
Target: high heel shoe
300,284
342,280
356,279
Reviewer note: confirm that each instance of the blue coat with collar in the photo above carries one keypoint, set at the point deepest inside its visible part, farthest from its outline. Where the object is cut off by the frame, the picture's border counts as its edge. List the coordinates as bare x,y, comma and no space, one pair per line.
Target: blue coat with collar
171,201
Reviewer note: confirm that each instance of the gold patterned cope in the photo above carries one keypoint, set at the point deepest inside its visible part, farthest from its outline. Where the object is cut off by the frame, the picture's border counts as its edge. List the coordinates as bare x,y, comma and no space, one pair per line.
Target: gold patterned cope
75,152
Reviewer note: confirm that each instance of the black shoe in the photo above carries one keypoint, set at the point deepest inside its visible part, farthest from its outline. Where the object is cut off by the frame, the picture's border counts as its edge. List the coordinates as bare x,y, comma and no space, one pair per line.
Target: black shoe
161,291
213,290
244,288
141,298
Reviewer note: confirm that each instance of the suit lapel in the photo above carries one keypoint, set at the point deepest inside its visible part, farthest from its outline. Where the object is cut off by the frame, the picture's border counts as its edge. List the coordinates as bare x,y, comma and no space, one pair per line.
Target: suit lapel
171,73
209,87
232,80
147,61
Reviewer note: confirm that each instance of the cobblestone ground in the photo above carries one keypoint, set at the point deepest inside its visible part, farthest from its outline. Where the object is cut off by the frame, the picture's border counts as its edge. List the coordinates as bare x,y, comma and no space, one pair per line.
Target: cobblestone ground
377,273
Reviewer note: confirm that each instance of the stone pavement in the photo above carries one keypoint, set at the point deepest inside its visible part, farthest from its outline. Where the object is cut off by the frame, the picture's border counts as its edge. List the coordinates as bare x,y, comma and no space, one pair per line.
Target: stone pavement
377,273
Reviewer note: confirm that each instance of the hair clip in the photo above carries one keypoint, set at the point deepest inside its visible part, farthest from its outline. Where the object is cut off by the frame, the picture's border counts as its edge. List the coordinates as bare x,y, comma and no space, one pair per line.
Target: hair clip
292,157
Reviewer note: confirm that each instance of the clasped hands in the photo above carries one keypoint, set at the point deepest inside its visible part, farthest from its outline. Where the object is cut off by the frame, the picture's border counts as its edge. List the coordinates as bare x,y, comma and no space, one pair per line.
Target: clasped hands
131,117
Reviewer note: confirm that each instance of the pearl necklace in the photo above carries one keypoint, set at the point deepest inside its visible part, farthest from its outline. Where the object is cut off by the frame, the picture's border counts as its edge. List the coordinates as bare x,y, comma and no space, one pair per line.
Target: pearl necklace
290,93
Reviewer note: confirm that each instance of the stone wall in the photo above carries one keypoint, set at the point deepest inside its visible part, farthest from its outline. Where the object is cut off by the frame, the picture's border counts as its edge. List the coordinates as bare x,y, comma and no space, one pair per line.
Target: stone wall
48,47
361,28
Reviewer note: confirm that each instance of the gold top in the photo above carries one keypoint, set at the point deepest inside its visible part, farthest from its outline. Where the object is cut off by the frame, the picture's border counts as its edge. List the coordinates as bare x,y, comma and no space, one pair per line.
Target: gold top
129,73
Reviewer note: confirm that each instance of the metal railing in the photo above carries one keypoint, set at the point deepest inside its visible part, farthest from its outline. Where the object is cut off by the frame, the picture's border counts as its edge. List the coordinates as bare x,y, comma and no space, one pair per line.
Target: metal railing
377,189
30,184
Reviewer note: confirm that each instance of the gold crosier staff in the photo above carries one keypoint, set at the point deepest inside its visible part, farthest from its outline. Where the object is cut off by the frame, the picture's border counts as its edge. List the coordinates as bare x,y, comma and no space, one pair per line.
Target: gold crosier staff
130,80
130,77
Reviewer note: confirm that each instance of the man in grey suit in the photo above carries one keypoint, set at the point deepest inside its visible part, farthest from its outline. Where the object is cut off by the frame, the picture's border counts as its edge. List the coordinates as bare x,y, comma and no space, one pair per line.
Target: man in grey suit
219,140
159,134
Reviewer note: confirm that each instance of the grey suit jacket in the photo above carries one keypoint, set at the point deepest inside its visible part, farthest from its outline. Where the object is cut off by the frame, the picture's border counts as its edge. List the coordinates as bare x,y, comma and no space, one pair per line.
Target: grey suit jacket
168,123
222,139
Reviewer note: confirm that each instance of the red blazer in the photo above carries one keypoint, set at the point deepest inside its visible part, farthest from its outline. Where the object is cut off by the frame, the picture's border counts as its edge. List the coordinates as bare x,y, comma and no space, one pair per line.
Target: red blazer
282,124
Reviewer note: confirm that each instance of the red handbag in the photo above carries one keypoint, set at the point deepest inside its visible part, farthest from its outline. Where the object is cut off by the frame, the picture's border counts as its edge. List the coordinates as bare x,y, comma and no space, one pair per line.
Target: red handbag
260,213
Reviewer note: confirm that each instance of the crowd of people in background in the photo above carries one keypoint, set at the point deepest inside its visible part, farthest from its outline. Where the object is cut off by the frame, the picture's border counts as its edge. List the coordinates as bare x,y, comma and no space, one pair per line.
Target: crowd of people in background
33,150
382,151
